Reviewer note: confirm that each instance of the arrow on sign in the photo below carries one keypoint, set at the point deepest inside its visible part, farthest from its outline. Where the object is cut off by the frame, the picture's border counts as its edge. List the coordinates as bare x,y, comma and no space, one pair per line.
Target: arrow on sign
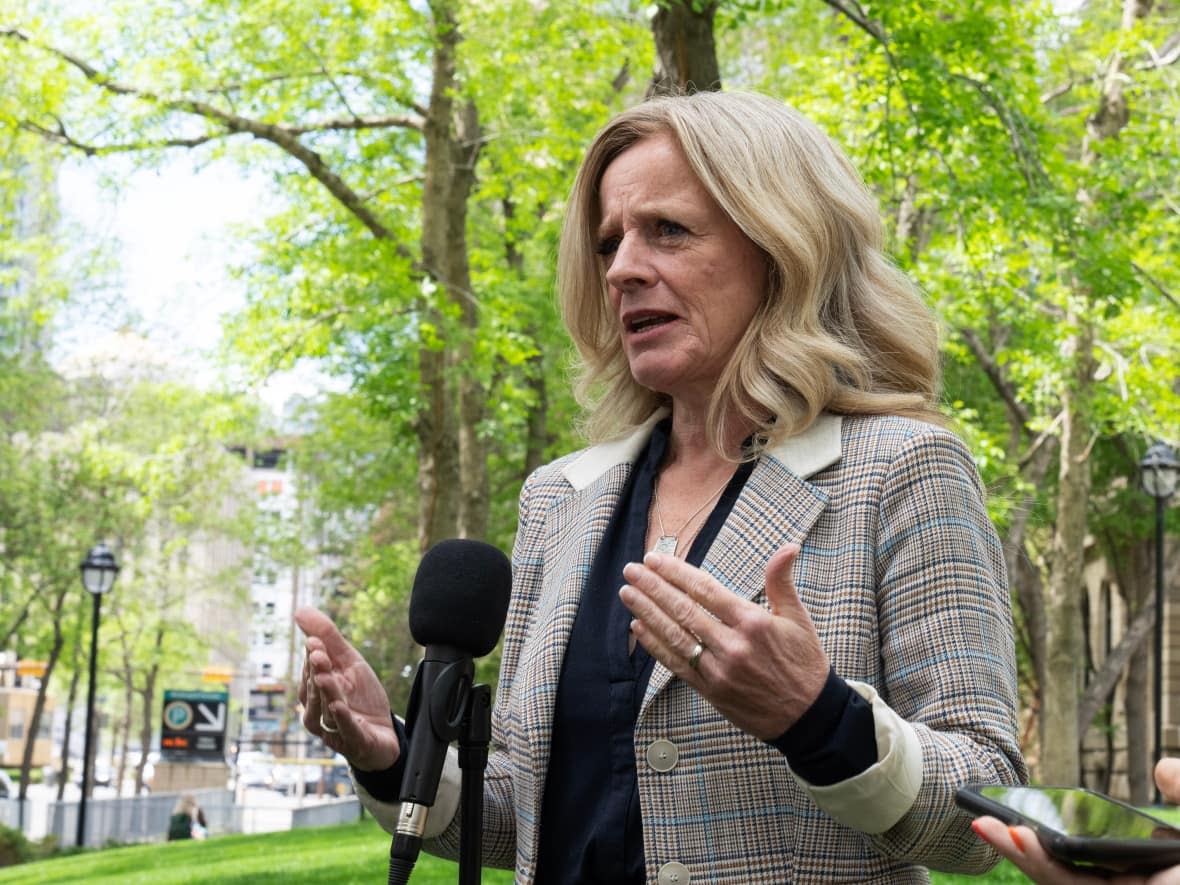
214,719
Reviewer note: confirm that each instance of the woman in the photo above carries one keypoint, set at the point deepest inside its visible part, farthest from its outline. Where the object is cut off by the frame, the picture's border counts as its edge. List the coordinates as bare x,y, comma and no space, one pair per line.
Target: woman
812,643
187,821
1021,846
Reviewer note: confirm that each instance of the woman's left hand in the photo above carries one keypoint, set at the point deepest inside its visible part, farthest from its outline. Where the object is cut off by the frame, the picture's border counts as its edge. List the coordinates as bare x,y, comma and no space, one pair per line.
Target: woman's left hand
761,669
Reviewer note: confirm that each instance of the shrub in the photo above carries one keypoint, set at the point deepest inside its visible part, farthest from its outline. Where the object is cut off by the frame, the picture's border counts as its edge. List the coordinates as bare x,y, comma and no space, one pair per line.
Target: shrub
14,847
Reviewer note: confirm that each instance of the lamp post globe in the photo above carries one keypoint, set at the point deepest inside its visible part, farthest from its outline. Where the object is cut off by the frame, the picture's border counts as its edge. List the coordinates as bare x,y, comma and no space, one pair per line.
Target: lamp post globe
1159,471
99,570
1158,474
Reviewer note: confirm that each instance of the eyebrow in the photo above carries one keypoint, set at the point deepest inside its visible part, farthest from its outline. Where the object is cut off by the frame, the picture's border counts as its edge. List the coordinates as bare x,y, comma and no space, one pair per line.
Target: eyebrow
660,208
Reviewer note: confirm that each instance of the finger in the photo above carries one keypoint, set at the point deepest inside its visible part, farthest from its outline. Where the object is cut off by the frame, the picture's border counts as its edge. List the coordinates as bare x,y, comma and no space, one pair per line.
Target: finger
304,675
1167,776
781,594
1030,856
671,655
325,684
697,584
351,733
314,623
684,621
667,597
1170,876
311,697
662,635
995,833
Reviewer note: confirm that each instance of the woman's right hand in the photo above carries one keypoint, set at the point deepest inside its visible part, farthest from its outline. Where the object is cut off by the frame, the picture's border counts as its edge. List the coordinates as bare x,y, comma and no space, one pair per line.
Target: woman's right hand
344,703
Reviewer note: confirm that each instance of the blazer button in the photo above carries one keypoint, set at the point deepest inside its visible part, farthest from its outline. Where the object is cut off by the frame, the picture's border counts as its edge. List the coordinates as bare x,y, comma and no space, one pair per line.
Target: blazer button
662,755
674,874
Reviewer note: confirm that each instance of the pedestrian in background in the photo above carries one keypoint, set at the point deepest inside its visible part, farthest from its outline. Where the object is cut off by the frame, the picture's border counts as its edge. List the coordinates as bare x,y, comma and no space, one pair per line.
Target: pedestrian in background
188,820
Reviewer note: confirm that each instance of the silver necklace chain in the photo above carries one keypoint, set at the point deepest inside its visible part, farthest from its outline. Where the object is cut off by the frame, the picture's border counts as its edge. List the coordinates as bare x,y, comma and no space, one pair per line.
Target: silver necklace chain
666,543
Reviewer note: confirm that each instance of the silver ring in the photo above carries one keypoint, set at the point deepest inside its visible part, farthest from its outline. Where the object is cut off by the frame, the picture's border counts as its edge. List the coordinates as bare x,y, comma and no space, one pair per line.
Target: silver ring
693,659
326,727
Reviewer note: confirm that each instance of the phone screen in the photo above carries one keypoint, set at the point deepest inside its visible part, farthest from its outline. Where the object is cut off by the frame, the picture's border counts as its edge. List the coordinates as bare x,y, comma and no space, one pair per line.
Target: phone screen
1080,813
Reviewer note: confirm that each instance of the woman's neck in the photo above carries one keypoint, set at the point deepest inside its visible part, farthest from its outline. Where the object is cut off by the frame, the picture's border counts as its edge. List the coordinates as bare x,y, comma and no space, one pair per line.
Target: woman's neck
690,452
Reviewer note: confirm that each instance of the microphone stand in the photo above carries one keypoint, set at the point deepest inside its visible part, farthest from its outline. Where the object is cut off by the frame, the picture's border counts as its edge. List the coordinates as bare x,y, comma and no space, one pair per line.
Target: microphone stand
474,736
473,760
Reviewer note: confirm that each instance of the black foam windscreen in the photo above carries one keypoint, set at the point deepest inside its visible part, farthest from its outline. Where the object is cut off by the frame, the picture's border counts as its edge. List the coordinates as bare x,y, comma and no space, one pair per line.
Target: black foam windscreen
460,596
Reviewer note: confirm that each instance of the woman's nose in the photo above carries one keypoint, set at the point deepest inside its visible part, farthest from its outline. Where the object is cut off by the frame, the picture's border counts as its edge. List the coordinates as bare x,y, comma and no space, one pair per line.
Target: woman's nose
630,265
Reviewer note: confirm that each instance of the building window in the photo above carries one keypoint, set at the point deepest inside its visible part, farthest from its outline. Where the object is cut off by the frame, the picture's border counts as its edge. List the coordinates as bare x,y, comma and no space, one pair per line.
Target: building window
265,571
268,459
268,638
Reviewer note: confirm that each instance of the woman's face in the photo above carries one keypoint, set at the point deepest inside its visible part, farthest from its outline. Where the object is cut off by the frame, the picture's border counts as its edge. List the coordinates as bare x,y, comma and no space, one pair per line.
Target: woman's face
684,281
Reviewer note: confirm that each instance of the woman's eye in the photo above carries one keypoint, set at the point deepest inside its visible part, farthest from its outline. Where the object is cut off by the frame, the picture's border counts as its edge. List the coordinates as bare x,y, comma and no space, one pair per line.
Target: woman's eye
607,246
670,228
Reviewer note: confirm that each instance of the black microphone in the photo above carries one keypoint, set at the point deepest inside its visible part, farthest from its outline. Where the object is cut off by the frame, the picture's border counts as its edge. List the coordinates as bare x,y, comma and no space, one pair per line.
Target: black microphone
457,610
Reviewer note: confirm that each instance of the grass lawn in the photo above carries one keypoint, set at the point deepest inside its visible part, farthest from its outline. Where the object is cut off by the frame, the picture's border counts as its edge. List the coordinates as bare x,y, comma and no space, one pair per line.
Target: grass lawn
349,853
329,855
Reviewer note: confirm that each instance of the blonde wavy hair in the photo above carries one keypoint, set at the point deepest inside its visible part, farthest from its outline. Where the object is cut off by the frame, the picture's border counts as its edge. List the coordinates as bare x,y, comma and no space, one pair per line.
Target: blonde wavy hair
840,328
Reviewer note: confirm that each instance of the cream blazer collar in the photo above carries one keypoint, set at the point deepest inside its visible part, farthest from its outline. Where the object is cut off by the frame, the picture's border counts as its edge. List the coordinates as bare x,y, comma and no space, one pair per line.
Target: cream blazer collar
804,454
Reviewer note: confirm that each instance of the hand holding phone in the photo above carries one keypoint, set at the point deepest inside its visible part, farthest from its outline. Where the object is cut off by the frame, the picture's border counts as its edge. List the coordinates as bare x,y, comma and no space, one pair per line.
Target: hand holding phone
1081,827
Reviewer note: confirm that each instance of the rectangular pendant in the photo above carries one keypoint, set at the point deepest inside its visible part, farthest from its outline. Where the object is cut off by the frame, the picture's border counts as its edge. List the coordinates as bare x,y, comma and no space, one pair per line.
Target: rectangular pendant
666,544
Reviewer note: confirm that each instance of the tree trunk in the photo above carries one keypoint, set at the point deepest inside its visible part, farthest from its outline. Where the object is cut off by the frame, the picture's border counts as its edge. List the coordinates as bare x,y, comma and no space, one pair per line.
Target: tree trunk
473,472
1136,691
1060,741
686,55
449,454
1124,564
1025,575
34,725
1108,119
71,698
121,733
538,427
147,720
537,431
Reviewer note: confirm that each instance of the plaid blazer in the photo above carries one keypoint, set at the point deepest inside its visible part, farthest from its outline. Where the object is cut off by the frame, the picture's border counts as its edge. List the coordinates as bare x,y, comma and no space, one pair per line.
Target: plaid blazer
903,576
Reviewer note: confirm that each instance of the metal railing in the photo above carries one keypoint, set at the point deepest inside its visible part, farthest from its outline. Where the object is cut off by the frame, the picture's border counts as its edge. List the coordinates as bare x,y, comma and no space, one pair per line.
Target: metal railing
145,818
139,818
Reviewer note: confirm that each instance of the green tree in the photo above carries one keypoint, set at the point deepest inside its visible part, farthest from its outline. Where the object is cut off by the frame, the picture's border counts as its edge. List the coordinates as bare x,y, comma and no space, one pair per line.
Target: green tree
1022,227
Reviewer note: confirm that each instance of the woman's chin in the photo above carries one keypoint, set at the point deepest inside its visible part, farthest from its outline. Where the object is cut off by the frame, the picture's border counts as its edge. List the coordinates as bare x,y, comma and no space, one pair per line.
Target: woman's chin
662,373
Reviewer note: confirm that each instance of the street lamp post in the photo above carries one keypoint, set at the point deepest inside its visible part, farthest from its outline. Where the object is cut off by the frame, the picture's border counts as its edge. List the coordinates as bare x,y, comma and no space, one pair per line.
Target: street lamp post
1158,473
98,576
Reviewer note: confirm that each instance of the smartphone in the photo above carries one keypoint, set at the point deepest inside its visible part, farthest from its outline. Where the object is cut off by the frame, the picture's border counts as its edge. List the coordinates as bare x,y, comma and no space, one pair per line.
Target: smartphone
1080,827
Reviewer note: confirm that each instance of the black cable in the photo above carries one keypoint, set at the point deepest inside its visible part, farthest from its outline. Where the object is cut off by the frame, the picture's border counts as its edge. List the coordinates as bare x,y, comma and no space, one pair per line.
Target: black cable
403,854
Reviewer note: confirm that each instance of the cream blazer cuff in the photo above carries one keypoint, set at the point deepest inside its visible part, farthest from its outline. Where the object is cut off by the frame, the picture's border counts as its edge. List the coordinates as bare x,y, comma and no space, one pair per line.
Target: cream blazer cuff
878,797
440,815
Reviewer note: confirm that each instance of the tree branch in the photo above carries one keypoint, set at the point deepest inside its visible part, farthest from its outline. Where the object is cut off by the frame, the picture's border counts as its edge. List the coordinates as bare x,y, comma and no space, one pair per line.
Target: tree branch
60,136
1155,283
1112,668
992,369
858,17
1043,437
1030,166
1167,54
400,121
283,137
853,12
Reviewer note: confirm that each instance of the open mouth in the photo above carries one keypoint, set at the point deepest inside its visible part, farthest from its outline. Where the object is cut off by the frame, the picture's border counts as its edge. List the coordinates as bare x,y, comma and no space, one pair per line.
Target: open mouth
643,324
